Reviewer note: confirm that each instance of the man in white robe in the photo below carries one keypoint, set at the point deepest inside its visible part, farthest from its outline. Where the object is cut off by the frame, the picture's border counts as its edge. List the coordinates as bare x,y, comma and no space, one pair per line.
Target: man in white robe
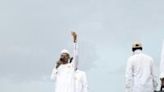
162,68
81,83
64,71
140,75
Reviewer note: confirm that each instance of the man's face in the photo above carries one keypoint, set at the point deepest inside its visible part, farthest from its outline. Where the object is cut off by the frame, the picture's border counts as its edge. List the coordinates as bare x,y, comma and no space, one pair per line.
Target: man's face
64,57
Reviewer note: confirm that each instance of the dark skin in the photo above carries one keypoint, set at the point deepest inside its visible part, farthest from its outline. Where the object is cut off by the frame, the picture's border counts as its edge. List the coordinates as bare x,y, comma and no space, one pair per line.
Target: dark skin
64,57
74,35
162,83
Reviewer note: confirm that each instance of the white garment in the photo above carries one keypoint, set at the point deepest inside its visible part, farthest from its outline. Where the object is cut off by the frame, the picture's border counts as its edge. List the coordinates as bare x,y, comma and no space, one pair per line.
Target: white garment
140,75
81,82
65,74
162,62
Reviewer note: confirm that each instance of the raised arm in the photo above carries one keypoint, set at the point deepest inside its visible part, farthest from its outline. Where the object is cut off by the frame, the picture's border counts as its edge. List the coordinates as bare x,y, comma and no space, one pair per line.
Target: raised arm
75,51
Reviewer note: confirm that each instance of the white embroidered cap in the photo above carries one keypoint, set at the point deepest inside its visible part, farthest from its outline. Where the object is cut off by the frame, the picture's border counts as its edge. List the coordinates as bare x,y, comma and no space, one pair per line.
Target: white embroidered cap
65,51
137,45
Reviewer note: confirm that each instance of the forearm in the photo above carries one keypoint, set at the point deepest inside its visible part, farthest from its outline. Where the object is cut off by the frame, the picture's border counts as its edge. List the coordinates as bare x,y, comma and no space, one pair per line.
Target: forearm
75,55
128,84
53,74
129,77
75,50
155,83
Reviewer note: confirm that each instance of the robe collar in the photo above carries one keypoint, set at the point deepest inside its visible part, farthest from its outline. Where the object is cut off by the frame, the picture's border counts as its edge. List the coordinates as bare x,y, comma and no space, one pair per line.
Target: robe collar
137,52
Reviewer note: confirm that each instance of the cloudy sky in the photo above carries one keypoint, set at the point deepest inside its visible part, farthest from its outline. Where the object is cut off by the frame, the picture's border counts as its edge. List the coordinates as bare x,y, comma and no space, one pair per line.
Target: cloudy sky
33,32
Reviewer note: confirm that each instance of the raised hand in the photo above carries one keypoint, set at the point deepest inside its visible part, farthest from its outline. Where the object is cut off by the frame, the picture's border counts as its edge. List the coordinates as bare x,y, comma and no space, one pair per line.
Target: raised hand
74,35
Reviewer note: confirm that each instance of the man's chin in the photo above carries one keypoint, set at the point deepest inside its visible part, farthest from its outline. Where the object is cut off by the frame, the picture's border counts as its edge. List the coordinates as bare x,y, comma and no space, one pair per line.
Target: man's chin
64,61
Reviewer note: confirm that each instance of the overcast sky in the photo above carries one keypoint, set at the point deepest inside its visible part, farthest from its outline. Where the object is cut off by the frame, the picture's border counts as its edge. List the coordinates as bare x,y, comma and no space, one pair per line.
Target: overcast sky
33,32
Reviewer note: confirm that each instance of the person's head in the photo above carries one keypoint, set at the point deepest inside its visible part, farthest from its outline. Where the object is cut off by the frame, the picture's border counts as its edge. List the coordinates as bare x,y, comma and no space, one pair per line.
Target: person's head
136,46
65,56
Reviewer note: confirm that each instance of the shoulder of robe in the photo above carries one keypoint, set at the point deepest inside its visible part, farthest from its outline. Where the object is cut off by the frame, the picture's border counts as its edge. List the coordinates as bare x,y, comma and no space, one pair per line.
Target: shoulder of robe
148,57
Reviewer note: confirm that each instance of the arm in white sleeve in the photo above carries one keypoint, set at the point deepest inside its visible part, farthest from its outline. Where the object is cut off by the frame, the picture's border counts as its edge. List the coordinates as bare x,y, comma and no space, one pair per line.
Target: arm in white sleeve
155,83
84,83
75,56
129,77
53,74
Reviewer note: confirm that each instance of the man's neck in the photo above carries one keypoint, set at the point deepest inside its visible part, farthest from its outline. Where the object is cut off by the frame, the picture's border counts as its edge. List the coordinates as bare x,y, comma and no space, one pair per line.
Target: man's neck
137,51
65,62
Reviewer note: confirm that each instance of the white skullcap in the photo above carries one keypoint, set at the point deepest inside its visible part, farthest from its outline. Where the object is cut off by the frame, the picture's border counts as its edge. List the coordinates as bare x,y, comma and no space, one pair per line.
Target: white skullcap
65,51
137,45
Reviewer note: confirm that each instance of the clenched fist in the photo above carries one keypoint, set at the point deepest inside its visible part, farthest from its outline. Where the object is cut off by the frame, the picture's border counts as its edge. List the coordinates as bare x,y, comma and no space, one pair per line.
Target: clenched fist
74,35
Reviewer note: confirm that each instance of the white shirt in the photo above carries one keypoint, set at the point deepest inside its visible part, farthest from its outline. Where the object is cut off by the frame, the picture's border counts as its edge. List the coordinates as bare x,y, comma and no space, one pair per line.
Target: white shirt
140,75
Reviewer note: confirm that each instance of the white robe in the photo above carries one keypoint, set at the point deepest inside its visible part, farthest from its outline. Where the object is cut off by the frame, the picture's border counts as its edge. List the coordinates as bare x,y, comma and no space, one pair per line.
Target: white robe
140,75
64,74
81,83
162,62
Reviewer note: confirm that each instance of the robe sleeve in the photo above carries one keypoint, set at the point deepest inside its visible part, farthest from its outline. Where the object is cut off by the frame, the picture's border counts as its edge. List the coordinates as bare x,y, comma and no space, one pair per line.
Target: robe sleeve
84,83
53,74
75,56
162,67
155,83
129,77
